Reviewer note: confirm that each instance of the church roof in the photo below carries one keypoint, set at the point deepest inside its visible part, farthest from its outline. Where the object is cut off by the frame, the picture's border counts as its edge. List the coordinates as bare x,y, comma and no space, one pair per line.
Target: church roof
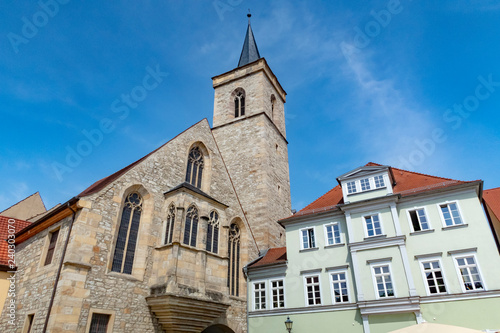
15,225
406,183
250,52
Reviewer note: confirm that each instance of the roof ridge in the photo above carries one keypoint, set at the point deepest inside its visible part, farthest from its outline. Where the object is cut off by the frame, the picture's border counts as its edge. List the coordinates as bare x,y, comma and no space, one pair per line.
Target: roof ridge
96,186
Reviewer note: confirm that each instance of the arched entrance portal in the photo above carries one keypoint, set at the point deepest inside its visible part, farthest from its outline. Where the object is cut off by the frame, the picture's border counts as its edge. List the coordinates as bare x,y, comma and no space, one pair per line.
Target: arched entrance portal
218,329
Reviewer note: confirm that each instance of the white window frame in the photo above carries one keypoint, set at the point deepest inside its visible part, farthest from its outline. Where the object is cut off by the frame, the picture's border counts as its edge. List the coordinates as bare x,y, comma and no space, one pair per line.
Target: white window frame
330,276
442,216
375,183
366,226
333,231
271,301
356,190
421,262
320,289
254,283
459,275
408,216
369,183
374,280
314,236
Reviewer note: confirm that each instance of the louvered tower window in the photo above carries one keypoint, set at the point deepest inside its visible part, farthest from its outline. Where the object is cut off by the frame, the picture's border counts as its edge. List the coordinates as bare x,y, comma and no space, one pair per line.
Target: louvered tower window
233,271
52,247
169,227
123,258
191,226
99,323
194,171
213,232
239,103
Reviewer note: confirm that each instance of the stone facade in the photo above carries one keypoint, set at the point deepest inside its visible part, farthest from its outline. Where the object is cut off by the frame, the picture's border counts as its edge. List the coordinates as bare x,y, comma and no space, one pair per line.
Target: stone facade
172,287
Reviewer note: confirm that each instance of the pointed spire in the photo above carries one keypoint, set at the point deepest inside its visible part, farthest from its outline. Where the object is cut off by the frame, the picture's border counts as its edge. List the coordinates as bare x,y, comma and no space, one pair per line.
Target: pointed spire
250,52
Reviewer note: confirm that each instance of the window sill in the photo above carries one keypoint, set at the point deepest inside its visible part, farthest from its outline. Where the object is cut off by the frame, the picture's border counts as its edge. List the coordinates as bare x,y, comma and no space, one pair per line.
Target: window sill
123,276
309,249
456,226
334,245
375,237
428,231
365,191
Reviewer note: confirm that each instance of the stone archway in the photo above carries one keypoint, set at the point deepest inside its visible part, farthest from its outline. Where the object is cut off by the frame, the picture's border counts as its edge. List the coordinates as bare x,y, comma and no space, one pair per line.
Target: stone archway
217,329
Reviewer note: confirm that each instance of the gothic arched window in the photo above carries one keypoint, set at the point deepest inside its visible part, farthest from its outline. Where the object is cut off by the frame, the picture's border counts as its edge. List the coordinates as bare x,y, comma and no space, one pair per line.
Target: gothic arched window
191,226
239,103
169,225
123,258
213,232
194,171
233,267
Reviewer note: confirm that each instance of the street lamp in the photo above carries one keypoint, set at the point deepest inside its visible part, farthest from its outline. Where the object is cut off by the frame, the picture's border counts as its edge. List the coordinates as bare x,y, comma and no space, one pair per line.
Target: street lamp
288,324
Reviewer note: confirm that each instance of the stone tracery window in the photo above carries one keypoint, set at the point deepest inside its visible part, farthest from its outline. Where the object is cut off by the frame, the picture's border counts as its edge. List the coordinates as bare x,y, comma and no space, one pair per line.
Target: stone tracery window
233,268
213,232
239,103
191,226
123,258
169,225
194,171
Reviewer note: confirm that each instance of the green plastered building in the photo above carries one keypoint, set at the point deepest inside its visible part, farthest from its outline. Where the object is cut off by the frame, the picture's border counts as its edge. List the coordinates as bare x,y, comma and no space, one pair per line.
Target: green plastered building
383,250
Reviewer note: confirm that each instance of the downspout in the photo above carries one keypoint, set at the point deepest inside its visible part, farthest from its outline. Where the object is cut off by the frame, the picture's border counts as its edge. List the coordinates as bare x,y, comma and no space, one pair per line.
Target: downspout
59,270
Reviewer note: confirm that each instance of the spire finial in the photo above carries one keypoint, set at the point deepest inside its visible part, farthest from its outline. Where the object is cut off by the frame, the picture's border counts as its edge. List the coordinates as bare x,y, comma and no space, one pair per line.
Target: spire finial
249,15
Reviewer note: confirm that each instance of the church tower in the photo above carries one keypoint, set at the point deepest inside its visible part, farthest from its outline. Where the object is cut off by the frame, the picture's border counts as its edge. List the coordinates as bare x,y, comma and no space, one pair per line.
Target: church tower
249,126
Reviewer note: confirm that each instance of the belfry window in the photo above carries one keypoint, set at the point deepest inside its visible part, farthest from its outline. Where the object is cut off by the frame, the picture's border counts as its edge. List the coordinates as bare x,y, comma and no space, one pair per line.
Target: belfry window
239,103
213,232
233,268
123,258
169,225
191,226
273,103
194,171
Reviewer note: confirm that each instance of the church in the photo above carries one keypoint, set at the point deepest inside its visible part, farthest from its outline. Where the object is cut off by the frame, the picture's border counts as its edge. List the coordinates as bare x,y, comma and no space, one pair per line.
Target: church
160,245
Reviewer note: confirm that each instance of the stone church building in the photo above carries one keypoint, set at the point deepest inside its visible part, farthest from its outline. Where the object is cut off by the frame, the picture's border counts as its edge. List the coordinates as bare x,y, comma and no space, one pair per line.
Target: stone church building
160,245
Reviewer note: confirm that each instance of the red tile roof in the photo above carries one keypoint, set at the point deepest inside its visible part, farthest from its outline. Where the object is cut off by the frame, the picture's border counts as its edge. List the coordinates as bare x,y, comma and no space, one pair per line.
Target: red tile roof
492,199
4,233
273,256
407,183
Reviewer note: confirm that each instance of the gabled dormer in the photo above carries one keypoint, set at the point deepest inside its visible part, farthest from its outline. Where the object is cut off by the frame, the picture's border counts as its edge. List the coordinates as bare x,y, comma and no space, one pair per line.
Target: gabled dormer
366,182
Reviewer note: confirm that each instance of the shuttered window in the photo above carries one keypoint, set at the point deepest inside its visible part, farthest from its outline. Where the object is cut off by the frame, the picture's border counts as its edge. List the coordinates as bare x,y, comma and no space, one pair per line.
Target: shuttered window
52,247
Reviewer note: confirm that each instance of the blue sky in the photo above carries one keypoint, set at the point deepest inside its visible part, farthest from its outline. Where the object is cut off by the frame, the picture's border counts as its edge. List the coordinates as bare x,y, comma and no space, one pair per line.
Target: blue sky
412,84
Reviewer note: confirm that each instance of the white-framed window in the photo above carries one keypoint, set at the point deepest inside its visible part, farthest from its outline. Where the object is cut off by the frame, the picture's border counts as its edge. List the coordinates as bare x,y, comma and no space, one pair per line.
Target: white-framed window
365,184
259,293
312,290
373,225
450,213
433,276
469,273
418,219
278,294
332,234
382,280
379,181
351,187
307,239
340,290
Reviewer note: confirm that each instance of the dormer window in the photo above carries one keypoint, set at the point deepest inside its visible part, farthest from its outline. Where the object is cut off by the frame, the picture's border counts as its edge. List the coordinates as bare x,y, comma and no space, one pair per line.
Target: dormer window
379,181
365,184
351,187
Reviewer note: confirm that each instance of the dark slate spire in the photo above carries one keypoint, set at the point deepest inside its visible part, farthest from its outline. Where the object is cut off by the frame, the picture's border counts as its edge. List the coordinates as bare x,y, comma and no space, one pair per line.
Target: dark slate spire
250,52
